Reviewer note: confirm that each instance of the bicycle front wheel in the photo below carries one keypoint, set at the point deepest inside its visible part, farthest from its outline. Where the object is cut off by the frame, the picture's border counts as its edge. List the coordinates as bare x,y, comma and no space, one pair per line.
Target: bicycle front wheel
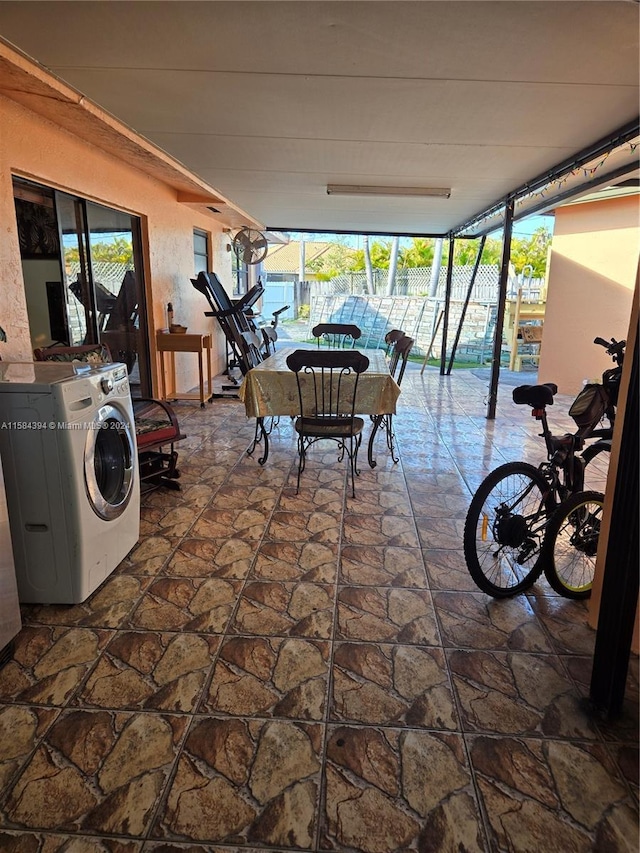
571,544
504,529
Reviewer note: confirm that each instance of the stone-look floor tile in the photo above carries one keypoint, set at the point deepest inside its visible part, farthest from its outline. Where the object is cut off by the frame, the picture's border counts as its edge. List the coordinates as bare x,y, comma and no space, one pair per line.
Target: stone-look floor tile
197,473
383,615
475,621
193,496
286,526
439,504
517,693
314,478
249,474
149,555
448,570
541,792
213,455
285,609
168,521
49,663
245,781
379,502
176,847
187,604
248,524
429,459
392,685
627,759
566,622
399,531
107,607
621,727
96,772
21,727
378,479
327,498
150,670
261,677
398,790
261,499
211,558
449,482
375,565
316,562
440,532
28,842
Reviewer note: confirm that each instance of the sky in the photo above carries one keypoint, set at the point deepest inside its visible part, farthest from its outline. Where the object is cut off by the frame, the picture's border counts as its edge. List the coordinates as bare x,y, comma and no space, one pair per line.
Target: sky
524,228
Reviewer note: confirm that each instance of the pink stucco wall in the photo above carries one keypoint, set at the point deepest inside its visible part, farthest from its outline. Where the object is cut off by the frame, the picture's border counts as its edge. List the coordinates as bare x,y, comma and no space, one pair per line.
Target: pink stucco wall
594,261
34,148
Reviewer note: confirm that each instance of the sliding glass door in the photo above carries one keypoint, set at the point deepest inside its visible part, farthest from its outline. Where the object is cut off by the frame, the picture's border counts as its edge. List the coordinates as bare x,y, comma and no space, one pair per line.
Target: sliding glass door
97,294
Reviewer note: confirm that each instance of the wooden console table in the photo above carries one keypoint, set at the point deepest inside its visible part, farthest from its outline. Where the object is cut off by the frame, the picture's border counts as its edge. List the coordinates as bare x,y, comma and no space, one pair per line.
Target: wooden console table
168,343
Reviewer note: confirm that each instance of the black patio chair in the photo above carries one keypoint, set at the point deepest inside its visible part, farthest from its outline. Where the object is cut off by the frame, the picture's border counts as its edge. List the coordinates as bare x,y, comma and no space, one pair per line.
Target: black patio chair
327,383
391,337
399,349
336,335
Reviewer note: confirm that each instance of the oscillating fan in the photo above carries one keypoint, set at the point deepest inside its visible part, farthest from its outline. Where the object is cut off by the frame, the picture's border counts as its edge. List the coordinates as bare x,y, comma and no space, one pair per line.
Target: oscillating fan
250,246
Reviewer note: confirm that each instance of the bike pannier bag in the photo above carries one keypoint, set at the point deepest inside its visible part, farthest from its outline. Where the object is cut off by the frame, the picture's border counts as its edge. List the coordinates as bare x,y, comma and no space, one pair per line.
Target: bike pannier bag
589,406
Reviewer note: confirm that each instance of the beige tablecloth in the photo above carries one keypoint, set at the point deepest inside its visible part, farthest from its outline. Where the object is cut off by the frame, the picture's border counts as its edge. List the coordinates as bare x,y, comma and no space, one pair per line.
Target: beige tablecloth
271,389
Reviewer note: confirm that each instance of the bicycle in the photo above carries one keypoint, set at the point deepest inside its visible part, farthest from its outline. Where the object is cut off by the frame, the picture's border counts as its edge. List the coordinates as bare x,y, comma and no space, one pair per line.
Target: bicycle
570,544
508,516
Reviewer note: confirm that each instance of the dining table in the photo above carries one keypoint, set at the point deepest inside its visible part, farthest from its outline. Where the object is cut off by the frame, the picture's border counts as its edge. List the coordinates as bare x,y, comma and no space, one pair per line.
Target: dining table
270,390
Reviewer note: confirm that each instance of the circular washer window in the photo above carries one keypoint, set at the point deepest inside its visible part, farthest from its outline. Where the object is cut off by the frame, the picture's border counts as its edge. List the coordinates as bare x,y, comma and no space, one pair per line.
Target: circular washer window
109,462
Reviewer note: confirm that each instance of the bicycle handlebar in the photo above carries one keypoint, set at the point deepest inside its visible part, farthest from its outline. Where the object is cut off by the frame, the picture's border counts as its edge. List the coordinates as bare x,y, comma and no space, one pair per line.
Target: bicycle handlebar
613,347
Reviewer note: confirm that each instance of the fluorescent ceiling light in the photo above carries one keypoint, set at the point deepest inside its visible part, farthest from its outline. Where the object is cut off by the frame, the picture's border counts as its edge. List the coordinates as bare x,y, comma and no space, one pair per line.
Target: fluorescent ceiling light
360,189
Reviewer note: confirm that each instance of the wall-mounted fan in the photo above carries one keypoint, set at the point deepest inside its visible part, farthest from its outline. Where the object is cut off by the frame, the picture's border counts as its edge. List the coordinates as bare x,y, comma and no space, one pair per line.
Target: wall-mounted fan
250,246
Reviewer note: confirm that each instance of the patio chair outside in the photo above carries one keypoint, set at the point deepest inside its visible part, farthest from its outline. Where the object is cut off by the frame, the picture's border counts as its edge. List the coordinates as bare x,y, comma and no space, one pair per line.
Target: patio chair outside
400,348
391,337
327,383
337,335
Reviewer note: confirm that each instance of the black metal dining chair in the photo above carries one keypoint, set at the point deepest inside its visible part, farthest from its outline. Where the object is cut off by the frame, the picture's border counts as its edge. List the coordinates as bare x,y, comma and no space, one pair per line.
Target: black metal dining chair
399,349
327,383
399,355
337,335
391,337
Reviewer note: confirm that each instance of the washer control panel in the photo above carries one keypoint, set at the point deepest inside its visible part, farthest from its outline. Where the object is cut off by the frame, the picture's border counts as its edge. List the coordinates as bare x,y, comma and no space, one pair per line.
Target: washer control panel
115,381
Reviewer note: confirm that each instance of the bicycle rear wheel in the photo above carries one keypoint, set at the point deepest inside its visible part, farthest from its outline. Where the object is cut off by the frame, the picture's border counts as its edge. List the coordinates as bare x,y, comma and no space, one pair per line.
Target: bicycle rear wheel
571,544
504,529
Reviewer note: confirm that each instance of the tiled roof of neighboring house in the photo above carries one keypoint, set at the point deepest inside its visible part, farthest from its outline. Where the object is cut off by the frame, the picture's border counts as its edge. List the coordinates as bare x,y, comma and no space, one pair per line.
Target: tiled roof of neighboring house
287,258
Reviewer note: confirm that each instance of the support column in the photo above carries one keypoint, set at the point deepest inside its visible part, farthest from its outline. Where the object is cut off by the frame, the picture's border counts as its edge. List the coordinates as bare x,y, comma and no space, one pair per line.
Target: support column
447,305
619,596
502,301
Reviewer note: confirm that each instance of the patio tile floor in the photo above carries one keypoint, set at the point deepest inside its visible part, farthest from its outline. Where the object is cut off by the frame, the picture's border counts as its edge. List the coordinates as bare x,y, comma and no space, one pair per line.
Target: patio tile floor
272,671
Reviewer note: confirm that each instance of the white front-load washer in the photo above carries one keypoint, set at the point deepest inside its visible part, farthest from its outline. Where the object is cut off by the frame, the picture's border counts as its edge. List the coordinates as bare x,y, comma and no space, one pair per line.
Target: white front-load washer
68,445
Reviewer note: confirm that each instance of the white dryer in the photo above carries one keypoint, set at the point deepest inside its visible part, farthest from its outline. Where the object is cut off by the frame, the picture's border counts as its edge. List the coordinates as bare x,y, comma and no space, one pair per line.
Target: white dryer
68,444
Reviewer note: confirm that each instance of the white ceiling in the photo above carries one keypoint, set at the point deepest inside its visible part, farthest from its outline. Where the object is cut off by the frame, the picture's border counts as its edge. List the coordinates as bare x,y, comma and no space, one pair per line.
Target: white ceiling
268,102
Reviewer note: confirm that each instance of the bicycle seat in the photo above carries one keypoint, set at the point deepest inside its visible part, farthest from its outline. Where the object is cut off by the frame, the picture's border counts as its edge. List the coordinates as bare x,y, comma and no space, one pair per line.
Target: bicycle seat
536,396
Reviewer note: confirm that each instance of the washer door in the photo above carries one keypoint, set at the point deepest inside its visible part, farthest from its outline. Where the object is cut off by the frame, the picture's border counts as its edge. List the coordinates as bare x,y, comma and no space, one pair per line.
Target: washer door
109,458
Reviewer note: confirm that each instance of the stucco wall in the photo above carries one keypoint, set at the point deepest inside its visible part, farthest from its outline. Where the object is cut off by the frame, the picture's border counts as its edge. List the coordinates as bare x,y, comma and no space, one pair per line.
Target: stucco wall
34,148
592,273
